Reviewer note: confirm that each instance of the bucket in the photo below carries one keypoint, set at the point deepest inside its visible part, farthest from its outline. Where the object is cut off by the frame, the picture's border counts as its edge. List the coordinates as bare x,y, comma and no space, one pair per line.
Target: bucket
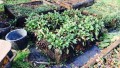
18,38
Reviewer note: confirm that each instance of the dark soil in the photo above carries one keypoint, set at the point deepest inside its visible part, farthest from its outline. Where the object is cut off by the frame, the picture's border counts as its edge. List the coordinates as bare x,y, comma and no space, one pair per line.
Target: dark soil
3,17
3,25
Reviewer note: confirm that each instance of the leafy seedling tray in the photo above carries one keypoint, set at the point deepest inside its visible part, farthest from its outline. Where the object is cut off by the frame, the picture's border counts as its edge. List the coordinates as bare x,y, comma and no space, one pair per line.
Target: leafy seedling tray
74,4
22,11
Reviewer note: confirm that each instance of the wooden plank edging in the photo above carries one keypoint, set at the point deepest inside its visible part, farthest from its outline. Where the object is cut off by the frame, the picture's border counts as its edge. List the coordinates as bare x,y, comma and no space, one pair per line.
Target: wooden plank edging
97,57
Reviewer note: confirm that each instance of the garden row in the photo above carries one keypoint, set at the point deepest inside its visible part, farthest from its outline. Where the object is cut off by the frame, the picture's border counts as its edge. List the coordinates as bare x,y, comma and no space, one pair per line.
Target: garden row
21,11
106,11
64,35
61,35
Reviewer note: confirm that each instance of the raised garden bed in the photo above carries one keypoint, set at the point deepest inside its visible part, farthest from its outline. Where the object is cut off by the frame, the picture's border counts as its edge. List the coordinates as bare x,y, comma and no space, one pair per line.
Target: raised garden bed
64,35
73,4
21,11
110,16
92,55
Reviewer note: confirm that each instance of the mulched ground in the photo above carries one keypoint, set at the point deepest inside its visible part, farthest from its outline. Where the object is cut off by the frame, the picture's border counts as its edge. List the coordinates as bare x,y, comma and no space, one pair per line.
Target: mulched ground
111,60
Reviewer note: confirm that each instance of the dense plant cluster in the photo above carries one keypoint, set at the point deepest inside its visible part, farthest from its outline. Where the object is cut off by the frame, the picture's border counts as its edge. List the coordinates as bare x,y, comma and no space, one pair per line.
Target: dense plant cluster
20,10
62,30
106,11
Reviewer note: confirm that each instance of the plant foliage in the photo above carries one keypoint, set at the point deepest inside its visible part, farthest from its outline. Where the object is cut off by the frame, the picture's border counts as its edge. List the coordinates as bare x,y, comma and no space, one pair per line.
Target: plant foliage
107,11
62,30
25,10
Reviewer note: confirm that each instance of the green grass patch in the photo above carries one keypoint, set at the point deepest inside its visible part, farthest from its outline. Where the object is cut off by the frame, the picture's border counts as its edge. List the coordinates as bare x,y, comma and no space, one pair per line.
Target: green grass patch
19,62
1,7
118,1
108,38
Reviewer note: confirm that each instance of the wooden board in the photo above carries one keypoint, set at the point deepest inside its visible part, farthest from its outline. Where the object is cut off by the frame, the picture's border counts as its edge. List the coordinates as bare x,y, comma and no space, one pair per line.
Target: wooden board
70,4
97,57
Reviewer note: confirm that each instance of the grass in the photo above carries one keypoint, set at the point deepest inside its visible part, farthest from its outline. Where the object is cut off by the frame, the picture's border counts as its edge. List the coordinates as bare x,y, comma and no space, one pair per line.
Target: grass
19,62
106,10
118,1
108,38
1,7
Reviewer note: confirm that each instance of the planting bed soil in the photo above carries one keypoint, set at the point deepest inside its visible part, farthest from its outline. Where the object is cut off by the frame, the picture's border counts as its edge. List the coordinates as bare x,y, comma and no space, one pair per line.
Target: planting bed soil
3,25
3,17
69,4
21,11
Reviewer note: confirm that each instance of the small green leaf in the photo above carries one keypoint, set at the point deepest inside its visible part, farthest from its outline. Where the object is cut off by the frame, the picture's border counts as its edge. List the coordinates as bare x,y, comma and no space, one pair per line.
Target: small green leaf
50,46
74,41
